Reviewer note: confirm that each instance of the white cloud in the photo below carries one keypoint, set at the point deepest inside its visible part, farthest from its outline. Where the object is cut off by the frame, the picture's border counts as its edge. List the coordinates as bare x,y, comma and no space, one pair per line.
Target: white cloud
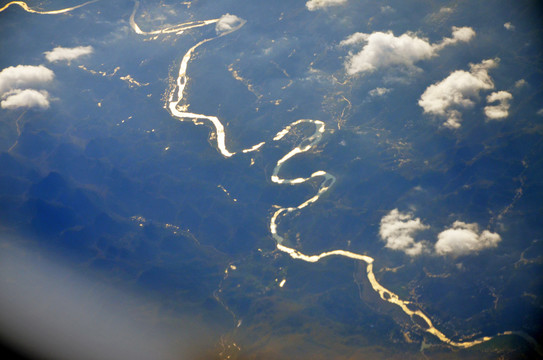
446,10
14,84
464,238
21,76
379,91
501,110
313,5
382,49
355,39
67,54
459,34
397,230
458,91
441,15
25,98
228,23
387,9
509,26
521,83
540,112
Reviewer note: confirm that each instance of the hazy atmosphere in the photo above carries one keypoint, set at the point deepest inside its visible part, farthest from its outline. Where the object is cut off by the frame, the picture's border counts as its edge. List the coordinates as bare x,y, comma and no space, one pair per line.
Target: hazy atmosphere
239,179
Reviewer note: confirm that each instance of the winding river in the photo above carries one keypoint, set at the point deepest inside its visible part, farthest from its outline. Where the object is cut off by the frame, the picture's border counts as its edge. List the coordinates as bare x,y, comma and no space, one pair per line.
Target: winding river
27,8
180,111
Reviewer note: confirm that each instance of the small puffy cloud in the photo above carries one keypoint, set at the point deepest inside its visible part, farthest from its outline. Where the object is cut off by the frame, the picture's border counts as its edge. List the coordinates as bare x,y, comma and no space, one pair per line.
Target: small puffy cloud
387,9
501,110
509,26
540,112
462,239
67,54
22,76
520,83
355,39
28,98
441,15
458,91
397,230
381,50
459,34
228,23
384,50
379,91
313,5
